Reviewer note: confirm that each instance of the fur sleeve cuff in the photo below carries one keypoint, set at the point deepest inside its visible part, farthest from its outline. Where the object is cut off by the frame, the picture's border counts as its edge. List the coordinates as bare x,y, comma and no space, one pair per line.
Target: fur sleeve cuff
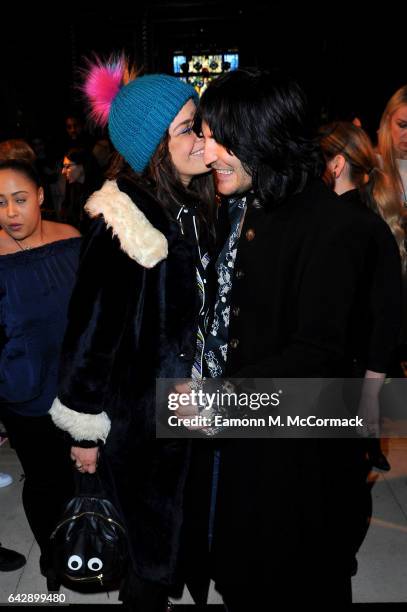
138,238
80,426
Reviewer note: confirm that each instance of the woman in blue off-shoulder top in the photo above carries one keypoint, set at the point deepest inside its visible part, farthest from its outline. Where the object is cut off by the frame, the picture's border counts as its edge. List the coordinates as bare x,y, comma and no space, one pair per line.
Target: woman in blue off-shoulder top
38,262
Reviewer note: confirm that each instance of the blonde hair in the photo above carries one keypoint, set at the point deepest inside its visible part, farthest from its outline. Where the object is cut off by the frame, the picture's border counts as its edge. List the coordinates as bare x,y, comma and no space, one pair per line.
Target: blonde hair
375,188
386,147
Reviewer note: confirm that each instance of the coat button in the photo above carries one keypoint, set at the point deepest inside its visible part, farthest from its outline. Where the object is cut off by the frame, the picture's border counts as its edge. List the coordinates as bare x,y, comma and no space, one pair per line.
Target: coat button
239,274
236,311
234,343
250,234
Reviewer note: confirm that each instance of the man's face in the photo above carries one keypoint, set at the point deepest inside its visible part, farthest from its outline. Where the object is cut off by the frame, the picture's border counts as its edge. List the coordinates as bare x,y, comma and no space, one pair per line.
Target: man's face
73,127
230,176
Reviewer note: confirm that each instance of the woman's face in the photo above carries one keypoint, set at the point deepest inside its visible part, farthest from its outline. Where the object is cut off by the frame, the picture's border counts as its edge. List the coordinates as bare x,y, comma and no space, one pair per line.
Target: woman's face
398,128
185,148
72,172
20,201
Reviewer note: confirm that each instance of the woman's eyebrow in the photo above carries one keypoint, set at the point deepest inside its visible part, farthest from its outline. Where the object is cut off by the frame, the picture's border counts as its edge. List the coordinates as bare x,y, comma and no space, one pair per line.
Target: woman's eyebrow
15,192
184,122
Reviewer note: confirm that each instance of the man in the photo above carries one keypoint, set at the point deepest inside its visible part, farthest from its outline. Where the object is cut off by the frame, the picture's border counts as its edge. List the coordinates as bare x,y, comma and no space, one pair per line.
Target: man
288,275
75,134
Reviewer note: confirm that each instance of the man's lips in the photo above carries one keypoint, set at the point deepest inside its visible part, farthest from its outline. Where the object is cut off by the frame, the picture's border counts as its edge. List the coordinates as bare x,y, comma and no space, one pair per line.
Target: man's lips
223,171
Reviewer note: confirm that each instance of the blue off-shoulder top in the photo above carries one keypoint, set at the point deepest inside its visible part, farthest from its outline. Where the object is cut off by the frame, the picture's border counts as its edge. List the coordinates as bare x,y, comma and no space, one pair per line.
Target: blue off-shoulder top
35,288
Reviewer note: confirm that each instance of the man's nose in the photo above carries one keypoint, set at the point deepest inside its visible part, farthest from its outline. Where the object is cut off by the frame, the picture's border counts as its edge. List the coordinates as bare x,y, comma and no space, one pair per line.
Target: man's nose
210,155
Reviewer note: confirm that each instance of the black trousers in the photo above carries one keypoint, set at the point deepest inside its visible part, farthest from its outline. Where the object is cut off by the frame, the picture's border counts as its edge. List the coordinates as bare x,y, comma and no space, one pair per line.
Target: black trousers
48,470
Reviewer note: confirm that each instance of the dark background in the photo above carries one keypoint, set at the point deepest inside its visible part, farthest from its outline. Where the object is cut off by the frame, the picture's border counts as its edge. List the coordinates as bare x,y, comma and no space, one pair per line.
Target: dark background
350,57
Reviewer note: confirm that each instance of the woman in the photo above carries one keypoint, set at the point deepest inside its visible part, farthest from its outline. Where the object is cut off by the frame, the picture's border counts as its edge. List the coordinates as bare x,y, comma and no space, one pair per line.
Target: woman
38,261
83,177
393,155
393,142
138,312
353,173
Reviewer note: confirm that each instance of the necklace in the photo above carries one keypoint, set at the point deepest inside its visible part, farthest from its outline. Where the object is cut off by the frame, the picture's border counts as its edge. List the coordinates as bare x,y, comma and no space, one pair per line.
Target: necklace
21,246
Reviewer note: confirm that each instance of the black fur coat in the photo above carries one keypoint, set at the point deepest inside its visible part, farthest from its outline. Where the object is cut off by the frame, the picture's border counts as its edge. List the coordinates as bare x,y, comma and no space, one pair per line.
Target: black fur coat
132,319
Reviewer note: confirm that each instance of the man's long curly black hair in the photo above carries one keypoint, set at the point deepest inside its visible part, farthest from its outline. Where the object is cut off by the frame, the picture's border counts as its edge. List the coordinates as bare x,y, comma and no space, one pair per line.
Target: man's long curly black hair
261,118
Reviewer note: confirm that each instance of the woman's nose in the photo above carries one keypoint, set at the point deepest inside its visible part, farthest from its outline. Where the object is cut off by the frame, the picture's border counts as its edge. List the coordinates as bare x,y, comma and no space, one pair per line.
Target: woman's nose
11,210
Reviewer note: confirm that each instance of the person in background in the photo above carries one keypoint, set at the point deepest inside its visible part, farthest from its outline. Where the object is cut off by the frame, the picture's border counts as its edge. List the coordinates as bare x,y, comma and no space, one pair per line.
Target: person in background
48,165
76,135
392,143
11,560
392,148
83,177
102,150
38,262
353,172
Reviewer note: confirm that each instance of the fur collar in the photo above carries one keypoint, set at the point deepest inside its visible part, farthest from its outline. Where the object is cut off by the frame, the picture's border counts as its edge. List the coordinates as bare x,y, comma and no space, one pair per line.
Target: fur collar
138,238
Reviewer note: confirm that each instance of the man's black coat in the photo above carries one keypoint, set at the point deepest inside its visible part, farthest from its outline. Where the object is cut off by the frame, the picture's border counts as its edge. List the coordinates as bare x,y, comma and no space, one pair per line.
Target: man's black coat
289,510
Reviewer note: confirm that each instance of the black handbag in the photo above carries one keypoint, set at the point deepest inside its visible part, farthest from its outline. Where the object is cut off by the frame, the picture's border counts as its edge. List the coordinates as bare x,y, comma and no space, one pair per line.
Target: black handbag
89,544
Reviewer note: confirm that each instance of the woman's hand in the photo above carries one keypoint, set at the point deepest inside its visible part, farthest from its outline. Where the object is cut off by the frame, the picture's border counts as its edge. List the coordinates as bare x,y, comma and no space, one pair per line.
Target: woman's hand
185,412
85,459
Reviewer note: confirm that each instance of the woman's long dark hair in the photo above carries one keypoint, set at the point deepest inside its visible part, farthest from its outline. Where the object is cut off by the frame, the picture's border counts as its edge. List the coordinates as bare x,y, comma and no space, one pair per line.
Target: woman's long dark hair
262,119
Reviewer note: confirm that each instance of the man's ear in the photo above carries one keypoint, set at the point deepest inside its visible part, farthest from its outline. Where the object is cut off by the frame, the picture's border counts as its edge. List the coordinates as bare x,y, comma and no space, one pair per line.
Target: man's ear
338,165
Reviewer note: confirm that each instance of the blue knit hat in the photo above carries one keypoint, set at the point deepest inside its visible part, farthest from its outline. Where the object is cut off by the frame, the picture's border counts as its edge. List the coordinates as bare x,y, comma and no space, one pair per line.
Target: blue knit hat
141,113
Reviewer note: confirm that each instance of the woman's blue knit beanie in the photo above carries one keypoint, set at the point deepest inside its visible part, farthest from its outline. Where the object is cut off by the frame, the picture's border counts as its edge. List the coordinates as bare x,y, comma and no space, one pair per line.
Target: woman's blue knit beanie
141,113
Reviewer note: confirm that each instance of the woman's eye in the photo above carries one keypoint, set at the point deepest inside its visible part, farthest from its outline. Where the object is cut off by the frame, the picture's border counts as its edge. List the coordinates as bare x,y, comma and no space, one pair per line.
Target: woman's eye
20,201
187,130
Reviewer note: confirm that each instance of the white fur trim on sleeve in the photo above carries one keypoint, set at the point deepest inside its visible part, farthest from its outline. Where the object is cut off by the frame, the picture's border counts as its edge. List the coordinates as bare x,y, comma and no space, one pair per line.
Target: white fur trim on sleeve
138,238
80,426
